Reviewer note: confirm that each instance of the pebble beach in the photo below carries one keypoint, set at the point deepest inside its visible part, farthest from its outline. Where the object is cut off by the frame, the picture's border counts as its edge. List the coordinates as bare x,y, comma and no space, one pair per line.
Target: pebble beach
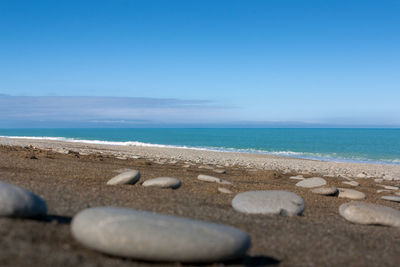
106,205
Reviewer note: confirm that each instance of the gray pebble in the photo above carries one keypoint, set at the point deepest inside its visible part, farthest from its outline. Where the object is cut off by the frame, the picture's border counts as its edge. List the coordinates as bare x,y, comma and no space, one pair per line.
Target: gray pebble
311,182
361,175
297,177
273,202
389,187
366,213
350,193
212,179
163,182
382,190
224,190
391,198
352,183
325,191
128,177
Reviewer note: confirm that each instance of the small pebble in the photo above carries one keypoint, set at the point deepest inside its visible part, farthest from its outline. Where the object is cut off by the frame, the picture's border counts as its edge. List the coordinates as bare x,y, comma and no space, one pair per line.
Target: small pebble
325,191
311,182
382,190
297,177
388,178
350,193
129,177
224,190
361,175
212,179
352,183
391,198
270,202
389,187
163,182
366,213
205,167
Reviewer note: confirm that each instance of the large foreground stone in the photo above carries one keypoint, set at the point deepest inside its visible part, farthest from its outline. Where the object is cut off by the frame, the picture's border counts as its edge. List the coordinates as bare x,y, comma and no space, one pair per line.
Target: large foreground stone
128,177
155,237
163,182
311,182
269,202
18,202
366,213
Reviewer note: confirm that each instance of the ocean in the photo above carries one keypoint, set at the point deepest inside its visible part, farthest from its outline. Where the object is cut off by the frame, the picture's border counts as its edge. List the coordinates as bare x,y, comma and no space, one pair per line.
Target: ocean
349,145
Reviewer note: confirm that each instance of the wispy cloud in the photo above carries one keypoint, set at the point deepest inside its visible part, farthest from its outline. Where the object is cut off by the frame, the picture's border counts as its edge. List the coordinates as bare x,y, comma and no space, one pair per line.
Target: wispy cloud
107,109
78,111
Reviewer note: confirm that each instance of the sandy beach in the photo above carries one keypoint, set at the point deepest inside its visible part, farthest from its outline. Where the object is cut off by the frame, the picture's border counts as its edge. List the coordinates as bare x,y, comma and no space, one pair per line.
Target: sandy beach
73,176
216,158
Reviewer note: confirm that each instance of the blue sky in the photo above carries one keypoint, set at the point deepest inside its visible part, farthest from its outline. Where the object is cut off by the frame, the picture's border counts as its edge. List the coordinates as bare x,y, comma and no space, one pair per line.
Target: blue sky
313,62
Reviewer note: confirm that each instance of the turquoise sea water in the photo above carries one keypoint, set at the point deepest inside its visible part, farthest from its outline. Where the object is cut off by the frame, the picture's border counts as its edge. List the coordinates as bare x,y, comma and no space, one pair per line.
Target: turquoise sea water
358,145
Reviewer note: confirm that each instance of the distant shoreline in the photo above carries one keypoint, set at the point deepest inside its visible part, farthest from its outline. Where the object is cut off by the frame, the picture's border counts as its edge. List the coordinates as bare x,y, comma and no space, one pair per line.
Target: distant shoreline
288,153
246,160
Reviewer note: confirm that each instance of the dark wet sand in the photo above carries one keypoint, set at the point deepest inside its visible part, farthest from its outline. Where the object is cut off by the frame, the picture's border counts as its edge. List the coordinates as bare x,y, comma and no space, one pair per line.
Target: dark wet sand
70,183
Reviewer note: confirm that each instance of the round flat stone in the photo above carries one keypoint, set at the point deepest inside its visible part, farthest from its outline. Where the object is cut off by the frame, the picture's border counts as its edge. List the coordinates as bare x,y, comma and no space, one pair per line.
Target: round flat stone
156,237
311,182
212,179
391,198
18,202
325,191
269,202
163,182
366,213
350,193
128,177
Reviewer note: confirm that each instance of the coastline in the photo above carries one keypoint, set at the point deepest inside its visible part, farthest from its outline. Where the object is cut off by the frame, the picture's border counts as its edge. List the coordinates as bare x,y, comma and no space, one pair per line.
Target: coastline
250,161
70,181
